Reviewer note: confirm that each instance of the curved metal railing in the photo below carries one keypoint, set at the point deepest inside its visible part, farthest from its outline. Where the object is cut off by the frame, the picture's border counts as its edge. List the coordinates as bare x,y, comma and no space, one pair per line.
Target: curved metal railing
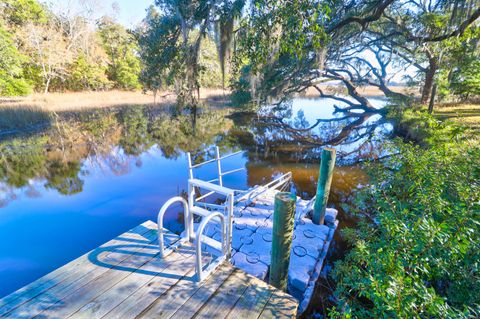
201,273
185,237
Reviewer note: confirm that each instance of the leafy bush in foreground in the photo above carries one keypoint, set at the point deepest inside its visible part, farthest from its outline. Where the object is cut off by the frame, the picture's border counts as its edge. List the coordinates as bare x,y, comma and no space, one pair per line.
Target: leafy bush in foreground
416,252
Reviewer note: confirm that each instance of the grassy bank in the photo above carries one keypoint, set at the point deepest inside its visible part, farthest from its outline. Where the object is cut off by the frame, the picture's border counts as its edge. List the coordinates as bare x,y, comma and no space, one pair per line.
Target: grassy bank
466,115
460,122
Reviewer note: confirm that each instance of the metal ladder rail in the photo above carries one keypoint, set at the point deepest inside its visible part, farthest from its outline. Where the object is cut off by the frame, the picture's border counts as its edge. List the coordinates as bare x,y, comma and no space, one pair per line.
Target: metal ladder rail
228,206
183,239
203,273
189,235
220,174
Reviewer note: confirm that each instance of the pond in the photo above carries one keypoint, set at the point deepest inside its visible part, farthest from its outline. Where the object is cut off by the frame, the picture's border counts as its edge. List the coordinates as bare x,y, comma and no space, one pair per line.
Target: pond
89,176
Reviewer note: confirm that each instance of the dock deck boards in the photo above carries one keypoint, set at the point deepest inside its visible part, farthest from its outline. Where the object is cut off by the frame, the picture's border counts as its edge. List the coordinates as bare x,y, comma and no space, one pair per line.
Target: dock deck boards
125,278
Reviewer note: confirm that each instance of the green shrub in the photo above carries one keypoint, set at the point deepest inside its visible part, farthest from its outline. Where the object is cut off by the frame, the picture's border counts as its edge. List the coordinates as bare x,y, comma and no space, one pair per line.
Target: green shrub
466,80
416,251
417,125
87,76
12,82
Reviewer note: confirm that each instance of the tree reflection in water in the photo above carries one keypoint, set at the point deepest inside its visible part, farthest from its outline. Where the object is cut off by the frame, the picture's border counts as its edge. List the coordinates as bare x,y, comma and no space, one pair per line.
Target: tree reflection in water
108,140
114,140
279,134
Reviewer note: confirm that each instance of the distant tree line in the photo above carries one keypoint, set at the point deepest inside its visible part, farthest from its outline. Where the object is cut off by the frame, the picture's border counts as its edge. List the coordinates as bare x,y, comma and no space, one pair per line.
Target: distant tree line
261,50
45,51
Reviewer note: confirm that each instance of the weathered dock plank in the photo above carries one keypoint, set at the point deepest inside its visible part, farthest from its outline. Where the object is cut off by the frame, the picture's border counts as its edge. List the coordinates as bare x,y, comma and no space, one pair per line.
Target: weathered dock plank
61,280
252,302
280,305
184,292
223,300
125,278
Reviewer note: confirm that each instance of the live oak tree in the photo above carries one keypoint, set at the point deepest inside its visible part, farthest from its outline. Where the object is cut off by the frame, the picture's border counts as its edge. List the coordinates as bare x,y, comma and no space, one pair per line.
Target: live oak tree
356,44
172,39
423,34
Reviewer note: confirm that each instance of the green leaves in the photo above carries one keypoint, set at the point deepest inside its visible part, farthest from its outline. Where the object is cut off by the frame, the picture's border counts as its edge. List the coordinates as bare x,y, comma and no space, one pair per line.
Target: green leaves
12,82
420,259
121,47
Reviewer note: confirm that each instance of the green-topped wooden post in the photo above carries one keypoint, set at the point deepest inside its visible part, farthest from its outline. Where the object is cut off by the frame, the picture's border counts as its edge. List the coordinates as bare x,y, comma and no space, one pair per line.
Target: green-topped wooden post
323,187
283,218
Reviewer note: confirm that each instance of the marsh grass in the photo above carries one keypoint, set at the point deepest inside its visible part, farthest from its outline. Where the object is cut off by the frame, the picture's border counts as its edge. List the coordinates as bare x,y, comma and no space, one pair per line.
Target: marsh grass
26,118
61,102
39,110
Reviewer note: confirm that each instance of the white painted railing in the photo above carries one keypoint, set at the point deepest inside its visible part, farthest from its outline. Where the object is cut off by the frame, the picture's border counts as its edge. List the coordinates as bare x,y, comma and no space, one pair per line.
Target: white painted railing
185,238
227,207
203,273
208,212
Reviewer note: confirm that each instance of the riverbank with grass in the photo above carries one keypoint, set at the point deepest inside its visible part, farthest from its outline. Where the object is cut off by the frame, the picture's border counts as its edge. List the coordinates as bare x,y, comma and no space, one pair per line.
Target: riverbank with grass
459,121
464,114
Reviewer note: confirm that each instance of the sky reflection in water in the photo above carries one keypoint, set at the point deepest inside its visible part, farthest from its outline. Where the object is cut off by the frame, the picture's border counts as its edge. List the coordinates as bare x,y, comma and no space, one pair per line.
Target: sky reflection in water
51,213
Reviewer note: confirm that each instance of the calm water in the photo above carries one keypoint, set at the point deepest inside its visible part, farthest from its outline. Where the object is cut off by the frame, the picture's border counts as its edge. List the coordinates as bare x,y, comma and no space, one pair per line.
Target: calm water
92,176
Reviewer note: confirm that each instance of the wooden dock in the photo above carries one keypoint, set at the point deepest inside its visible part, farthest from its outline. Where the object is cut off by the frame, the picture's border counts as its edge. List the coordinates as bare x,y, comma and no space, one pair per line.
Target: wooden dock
125,278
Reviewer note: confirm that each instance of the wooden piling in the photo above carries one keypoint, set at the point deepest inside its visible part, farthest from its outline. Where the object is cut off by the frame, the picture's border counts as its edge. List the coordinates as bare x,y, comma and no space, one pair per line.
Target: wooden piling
283,219
323,187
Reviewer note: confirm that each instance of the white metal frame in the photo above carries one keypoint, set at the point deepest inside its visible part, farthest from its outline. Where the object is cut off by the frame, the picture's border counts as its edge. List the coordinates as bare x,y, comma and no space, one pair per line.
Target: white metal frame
189,210
246,196
228,206
211,212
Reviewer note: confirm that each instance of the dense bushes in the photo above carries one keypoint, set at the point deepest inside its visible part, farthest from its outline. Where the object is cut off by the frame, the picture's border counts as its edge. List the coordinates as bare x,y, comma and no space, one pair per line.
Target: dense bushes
415,124
11,80
416,251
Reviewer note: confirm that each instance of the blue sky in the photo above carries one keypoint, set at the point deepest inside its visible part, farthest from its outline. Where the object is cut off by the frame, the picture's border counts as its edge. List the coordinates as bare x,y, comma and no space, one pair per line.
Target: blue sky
131,11
129,14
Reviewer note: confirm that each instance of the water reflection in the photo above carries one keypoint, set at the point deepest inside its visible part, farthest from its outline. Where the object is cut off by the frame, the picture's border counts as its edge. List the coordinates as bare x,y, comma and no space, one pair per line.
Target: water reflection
294,132
93,175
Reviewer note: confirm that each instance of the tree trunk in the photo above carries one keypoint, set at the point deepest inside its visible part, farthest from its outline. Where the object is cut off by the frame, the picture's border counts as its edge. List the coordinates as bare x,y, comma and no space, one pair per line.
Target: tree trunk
432,99
428,85
47,85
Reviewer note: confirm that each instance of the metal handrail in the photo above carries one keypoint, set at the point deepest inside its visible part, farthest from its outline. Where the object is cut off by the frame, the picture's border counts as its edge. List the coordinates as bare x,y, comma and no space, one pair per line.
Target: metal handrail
202,274
187,232
224,191
217,159
232,171
203,163
250,195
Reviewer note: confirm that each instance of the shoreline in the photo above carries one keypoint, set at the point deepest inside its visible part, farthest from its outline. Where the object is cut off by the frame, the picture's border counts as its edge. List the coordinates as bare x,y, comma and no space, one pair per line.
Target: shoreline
77,101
